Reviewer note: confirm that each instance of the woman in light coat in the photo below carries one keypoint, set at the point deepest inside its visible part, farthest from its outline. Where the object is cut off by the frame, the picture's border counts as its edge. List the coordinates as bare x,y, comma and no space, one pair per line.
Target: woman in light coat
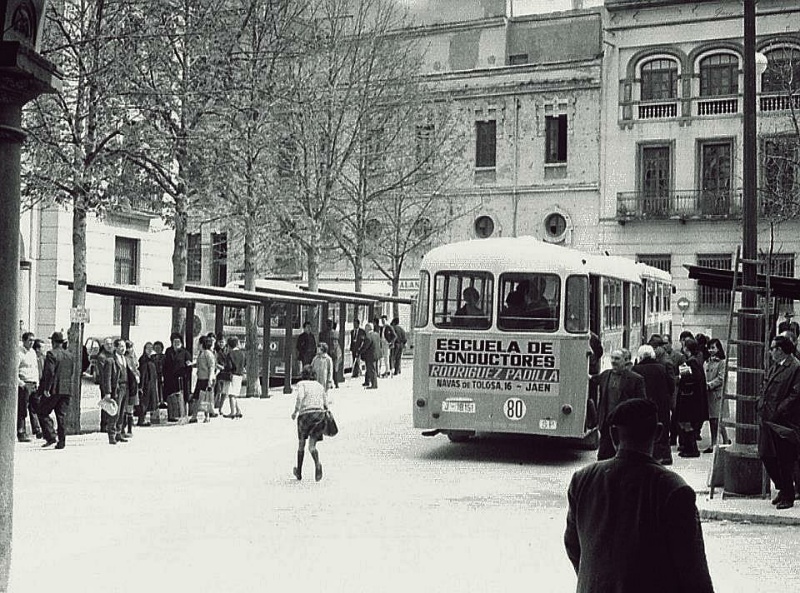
715,368
322,365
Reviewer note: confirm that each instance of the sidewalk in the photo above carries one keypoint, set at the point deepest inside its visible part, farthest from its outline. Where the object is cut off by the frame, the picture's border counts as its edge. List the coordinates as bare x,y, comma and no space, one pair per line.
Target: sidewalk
744,510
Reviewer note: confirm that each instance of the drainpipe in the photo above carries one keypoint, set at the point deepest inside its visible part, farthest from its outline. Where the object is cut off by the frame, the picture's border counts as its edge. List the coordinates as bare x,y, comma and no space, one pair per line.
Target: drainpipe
514,192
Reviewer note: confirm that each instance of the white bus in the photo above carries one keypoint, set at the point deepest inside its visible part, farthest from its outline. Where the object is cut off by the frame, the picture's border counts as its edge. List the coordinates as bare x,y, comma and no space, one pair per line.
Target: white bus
502,334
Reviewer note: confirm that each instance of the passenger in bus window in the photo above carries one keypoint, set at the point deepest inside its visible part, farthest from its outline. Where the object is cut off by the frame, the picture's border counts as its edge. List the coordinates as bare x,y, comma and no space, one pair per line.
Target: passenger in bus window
470,315
535,303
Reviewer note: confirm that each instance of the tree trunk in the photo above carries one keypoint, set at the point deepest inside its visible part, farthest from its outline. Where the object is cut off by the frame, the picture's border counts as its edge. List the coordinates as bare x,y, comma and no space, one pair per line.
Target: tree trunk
179,259
250,317
78,300
313,256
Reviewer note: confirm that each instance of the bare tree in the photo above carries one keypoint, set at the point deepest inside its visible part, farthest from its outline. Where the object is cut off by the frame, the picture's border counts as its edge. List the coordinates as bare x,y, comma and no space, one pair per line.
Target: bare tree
69,158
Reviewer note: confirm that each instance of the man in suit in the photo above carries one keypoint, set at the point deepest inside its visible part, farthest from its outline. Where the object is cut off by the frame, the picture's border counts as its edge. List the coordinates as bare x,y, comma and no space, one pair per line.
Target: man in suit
27,383
370,352
55,390
632,525
106,352
779,413
357,337
114,385
615,385
399,345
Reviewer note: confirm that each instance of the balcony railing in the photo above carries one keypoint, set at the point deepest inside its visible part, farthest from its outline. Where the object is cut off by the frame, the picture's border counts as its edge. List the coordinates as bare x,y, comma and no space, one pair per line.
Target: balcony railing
657,110
779,102
717,105
679,205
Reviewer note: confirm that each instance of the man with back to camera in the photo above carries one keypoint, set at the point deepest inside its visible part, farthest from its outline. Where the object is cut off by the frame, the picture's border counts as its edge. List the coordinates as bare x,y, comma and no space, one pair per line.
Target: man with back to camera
632,524
357,337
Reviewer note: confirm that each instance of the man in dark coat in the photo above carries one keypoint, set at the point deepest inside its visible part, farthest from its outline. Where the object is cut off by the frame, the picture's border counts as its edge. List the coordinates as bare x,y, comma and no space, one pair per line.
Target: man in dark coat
632,525
399,344
177,368
55,389
615,385
658,386
370,352
357,337
691,409
779,413
306,345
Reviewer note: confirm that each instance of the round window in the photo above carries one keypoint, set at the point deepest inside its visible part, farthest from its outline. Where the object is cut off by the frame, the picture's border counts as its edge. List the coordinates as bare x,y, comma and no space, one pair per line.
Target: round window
555,225
484,226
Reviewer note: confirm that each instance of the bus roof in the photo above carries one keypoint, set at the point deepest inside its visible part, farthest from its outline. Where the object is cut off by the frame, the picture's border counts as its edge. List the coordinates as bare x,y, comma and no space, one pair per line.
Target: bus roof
525,253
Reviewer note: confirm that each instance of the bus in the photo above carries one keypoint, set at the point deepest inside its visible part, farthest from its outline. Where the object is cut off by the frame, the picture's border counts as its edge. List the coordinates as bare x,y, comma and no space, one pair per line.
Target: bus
502,333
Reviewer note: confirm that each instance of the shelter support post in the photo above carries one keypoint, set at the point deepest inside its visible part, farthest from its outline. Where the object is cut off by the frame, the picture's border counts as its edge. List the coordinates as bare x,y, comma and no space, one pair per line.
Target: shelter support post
219,319
288,348
126,308
189,336
266,345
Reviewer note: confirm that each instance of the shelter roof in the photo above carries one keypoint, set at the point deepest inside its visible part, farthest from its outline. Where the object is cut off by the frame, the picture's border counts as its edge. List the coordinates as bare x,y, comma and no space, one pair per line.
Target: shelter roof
282,288
159,296
255,295
346,294
780,286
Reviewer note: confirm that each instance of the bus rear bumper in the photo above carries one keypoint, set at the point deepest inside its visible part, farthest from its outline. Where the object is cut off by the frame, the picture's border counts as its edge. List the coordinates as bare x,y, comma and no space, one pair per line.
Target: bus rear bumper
431,433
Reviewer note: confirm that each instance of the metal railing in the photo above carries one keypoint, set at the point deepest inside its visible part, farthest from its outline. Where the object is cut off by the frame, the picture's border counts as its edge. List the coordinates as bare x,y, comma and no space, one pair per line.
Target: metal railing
679,205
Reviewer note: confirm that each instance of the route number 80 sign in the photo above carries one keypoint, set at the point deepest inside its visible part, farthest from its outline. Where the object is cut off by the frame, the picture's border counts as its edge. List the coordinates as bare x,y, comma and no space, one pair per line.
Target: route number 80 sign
514,408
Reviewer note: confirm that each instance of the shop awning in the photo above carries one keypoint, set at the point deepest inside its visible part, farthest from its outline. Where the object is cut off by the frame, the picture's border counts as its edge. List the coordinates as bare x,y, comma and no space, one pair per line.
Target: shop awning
780,286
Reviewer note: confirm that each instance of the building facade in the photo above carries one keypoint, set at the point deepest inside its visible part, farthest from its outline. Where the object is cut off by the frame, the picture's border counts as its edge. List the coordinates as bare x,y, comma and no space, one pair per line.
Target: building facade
672,140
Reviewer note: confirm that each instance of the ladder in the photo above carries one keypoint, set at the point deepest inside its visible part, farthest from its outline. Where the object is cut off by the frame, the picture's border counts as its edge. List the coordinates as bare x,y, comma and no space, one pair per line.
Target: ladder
764,316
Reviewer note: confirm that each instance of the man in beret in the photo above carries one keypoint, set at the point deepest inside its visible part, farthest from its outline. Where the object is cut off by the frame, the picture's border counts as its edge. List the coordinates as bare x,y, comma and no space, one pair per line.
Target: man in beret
632,524
55,390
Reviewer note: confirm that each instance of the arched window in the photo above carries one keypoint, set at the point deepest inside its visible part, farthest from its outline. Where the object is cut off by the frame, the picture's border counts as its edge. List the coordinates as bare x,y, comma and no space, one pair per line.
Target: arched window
719,75
659,80
783,71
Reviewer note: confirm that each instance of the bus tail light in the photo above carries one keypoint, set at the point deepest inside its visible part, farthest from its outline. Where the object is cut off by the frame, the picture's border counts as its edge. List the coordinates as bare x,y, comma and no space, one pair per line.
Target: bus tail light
566,409
421,402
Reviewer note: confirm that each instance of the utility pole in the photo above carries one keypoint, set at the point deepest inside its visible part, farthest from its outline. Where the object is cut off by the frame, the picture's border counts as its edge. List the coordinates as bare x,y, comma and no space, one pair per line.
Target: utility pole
743,467
24,75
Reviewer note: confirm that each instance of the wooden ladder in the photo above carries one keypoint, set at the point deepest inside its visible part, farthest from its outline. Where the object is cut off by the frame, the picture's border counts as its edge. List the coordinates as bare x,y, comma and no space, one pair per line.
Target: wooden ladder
734,315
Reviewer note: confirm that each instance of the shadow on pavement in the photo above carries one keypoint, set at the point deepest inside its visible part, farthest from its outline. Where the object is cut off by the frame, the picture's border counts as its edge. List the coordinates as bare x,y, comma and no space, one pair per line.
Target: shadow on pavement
517,449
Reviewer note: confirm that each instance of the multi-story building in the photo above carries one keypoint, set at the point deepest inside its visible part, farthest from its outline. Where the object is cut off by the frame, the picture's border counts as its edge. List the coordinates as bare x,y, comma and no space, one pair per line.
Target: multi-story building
672,138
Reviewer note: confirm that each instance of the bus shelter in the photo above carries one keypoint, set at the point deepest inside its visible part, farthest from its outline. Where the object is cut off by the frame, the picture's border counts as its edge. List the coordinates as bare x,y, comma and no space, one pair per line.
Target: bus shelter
265,300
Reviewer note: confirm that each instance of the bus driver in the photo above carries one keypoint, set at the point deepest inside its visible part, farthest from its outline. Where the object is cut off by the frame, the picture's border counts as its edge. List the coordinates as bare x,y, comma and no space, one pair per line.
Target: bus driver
470,314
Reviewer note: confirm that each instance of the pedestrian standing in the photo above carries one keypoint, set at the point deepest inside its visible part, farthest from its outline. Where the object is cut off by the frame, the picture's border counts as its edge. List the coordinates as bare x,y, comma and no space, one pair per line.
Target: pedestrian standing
158,359
177,368
387,345
399,344
715,369
148,375
615,385
104,358
322,365
55,390
658,389
134,379
779,420
370,351
338,362
206,371
691,408
235,365
306,345
309,411
357,337
633,525
114,386
27,384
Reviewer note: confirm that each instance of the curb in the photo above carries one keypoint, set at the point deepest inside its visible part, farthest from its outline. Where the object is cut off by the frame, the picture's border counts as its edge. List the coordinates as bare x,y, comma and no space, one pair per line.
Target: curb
714,515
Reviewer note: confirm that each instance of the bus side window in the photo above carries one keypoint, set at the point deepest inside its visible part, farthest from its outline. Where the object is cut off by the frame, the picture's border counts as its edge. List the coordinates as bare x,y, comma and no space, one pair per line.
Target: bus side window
576,319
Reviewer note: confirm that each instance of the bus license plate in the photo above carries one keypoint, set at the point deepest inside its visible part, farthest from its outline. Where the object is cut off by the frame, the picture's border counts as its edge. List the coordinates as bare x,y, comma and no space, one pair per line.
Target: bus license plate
547,424
463,407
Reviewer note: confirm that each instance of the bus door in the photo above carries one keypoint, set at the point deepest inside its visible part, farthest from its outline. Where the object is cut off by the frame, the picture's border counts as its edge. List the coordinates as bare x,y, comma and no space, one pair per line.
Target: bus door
595,308
626,315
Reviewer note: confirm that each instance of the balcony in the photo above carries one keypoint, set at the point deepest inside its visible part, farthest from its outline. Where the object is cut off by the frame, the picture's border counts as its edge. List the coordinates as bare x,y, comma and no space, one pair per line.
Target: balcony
717,105
658,110
779,102
680,205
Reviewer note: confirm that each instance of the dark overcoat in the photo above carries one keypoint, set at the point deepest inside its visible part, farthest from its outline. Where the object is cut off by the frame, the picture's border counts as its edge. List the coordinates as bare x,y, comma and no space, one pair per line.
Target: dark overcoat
779,401
57,372
633,527
630,385
692,404
148,373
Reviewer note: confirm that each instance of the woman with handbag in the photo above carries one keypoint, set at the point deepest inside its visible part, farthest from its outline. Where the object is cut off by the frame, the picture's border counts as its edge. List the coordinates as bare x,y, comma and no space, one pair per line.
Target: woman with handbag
206,369
715,369
149,388
310,411
235,365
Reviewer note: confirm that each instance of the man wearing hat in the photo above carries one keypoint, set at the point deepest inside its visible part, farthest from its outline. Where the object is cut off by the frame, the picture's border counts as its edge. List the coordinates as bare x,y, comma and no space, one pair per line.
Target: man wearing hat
788,325
54,391
632,524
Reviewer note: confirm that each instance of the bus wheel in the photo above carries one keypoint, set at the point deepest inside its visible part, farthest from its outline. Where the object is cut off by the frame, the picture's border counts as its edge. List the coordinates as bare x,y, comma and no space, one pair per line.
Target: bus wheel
460,436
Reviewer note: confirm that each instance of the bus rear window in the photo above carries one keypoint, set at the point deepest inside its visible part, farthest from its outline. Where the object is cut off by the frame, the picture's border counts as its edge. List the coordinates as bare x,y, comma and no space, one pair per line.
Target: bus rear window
423,299
576,319
463,300
529,302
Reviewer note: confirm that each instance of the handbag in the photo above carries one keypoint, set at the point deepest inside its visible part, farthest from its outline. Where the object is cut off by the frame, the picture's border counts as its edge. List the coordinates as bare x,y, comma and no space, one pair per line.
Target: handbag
224,375
330,429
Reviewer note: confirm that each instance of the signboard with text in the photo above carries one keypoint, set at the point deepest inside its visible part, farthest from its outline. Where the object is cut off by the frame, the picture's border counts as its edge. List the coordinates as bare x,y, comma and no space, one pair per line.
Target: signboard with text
506,364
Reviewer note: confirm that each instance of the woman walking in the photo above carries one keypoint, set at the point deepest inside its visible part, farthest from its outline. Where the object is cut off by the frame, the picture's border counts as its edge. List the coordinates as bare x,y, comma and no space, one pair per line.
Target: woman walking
148,374
309,411
235,364
715,368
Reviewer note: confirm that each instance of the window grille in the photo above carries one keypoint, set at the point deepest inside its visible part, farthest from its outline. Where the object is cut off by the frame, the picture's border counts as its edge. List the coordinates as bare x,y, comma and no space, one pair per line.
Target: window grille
555,138
714,298
486,143
126,271
662,261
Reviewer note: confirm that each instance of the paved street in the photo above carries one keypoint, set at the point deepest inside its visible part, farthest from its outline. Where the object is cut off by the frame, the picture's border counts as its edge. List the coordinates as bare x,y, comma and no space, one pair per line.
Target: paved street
214,507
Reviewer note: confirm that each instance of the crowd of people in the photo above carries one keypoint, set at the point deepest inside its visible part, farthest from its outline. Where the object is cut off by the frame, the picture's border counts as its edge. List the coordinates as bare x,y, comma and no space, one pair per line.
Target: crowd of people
686,386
